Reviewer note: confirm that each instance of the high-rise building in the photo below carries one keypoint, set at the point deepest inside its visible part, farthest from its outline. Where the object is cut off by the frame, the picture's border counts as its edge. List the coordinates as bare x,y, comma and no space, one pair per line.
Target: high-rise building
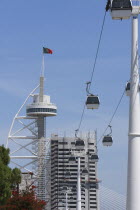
64,173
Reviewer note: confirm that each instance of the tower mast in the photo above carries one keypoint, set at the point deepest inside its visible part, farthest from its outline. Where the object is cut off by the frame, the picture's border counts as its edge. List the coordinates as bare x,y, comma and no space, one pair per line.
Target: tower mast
124,9
133,179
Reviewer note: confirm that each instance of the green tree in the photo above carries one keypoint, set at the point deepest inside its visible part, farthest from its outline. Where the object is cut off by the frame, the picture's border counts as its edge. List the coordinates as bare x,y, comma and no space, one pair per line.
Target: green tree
9,179
16,178
4,155
5,183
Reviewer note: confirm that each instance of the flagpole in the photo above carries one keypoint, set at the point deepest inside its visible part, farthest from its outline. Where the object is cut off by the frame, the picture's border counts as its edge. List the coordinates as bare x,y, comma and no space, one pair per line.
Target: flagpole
43,66
48,51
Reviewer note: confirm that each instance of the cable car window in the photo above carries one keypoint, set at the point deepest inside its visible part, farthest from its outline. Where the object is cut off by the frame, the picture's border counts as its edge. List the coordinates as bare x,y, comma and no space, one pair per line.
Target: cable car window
92,100
127,86
121,4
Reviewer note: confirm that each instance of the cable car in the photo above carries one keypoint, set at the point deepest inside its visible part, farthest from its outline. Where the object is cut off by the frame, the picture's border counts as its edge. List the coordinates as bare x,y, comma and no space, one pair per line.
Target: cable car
127,89
121,9
92,102
65,188
95,158
84,171
67,174
72,160
79,144
107,140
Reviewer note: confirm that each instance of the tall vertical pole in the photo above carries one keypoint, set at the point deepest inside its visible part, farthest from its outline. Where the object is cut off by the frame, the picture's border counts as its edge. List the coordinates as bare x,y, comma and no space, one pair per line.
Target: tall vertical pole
78,206
41,190
133,178
66,200
41,89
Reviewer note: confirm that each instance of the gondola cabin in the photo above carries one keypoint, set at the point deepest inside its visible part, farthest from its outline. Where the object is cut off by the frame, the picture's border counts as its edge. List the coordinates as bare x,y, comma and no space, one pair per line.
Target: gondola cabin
65,188
94,158
72,160
92,102
79,144
127,89
67,174
84,171
107,140
121,9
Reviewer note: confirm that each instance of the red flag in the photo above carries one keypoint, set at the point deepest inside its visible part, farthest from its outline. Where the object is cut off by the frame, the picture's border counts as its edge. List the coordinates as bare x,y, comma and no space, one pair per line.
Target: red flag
47,50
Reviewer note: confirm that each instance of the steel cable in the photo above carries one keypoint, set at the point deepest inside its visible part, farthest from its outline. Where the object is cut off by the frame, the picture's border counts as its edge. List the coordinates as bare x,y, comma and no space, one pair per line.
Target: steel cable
93,70
112,116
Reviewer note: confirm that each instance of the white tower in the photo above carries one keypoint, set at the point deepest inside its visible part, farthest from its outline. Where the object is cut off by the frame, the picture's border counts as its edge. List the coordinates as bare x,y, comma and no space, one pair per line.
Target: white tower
41,108
133,179
124,9
29,148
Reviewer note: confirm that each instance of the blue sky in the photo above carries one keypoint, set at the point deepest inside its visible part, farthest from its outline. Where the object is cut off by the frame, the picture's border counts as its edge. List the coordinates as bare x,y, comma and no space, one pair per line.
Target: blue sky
71,29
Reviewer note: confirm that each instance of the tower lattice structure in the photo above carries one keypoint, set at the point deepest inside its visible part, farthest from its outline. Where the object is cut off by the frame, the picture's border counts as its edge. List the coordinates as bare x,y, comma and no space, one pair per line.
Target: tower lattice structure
29,147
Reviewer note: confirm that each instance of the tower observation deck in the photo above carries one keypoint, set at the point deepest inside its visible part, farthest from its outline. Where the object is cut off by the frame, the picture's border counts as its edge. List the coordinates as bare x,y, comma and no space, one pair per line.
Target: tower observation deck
30,150
41,106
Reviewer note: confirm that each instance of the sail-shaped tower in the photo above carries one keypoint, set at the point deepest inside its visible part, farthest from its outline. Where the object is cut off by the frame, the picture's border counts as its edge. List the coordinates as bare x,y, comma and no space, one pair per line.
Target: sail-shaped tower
29,147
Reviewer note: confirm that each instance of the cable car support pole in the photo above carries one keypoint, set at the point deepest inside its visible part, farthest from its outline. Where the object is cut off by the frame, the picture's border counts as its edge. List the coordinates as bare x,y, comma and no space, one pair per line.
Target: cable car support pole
133,176
78,206
67,201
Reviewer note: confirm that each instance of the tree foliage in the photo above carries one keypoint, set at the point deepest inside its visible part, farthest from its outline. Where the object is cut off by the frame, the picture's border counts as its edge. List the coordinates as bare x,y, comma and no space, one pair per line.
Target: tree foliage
5,183
4,155
15,178
9,179
10,197
25,200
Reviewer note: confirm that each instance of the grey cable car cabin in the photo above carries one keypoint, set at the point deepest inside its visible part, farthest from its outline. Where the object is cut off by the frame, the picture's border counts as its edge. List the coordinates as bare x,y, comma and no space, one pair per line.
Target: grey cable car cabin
107,140
94,158
121,9
127,88
84,171
92,102
79,144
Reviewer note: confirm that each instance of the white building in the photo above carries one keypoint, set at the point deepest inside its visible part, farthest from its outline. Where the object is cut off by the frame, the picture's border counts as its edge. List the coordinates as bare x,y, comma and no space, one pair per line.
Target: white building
64,174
